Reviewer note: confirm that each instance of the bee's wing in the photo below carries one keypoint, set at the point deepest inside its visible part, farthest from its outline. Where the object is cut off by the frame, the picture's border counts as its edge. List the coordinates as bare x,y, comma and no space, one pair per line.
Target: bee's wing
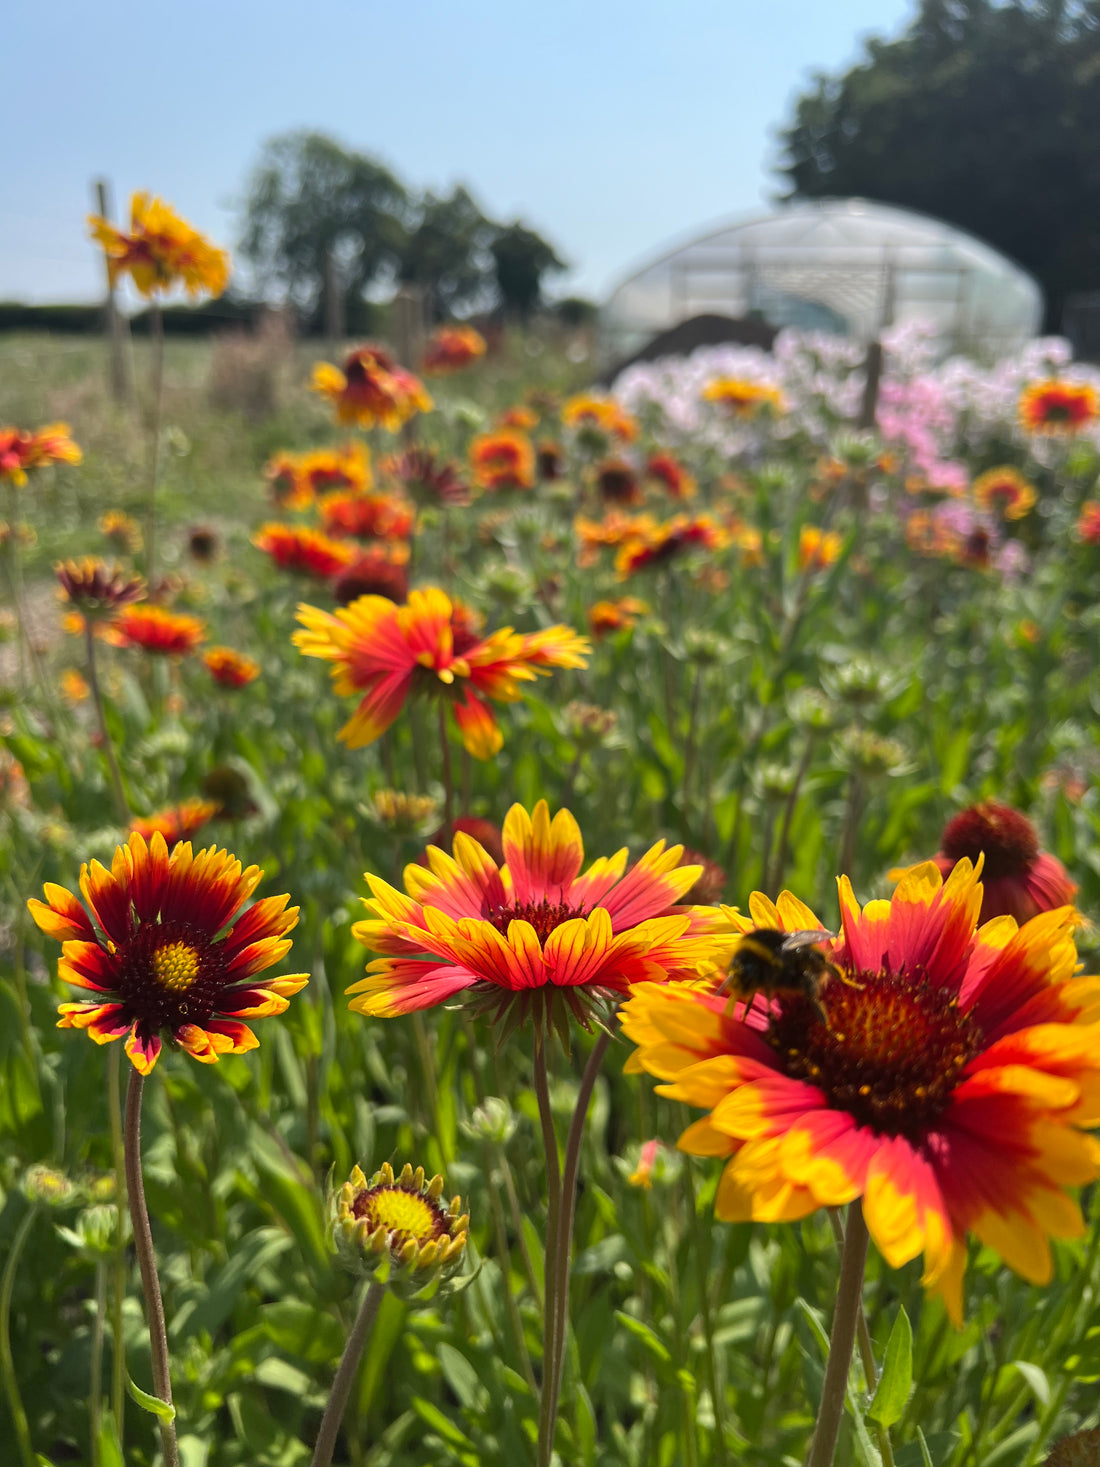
795,941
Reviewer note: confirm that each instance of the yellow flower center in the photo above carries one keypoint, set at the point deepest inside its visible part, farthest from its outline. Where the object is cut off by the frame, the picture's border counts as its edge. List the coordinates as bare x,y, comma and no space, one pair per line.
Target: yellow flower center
402,1213
176,966
890,1050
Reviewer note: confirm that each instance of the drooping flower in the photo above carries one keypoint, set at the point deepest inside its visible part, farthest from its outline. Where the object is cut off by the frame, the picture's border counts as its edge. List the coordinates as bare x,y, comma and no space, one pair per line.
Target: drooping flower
599,417
96,589
230,668
451,348
503,459
161,251
533,939
428,477
941,1073
297,548
166,948
1056,407
372,389
613,616
397,1225
670,473
1004,491
743,399
1019,878
21,451
818,549
389,653
380,570
156,629
367,516
178,822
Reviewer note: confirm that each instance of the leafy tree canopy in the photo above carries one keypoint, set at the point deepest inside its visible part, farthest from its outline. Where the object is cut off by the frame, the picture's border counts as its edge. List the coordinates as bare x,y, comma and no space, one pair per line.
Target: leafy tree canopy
449,252
981,114
522,258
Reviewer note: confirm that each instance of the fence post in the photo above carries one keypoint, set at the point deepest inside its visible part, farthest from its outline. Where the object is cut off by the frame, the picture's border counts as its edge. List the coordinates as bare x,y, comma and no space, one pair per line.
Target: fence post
112,318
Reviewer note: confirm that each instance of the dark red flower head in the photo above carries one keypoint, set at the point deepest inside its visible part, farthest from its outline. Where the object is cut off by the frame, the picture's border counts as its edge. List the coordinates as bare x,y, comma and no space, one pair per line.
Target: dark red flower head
1019,878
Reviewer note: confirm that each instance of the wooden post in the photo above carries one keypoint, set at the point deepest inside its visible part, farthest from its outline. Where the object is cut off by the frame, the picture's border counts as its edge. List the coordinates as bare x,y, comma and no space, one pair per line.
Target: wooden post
335,321
869,405
112,319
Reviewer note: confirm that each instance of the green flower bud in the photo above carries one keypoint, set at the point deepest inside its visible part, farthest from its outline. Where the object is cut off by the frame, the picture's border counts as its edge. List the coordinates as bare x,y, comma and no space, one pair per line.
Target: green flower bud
396,1228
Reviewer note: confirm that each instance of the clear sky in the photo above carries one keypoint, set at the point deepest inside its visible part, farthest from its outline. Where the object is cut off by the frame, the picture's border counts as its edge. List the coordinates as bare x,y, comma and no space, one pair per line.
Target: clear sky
610,126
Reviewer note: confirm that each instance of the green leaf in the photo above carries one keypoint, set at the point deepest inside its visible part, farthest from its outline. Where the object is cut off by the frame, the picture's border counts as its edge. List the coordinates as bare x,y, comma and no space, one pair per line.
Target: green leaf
925,1455
1036,1379
896,1380
642,1331
153,1404
110,1449
461,1376
432,1416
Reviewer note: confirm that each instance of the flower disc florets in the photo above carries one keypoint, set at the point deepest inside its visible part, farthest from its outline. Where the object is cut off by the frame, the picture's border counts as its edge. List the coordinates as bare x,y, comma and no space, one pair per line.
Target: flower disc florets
397,1227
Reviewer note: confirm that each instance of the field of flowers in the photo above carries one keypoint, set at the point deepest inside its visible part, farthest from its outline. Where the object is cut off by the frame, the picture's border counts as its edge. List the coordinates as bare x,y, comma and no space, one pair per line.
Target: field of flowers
460,766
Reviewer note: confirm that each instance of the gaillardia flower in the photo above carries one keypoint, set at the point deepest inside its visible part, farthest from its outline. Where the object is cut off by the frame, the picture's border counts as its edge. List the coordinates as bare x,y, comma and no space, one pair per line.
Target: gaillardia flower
155,629
297,548
21,450
942,1072
367,516
165,948
230,668
1088,525
96,589
397,1226
178,822
161,250
451,348
613,616
670,473
389,653
503,459
532,938
1057,407
595,419
1004,491
743,399
371,389
379,570
427,476
1019,879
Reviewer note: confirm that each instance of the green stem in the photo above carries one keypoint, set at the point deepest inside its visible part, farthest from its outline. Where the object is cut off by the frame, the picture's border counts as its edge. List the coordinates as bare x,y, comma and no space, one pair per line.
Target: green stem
118,1293
866,1353
448,776
553,1216
849,1305
104,732
156,331
701,1250
504,1258
690,743
345,1375
95,1370
147,1262
7,1363
564,1239
775,877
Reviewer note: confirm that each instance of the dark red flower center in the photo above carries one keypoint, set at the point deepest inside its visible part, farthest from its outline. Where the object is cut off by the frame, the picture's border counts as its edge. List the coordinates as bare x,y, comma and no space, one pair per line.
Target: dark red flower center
890,1051
1006,837
543,916
170,974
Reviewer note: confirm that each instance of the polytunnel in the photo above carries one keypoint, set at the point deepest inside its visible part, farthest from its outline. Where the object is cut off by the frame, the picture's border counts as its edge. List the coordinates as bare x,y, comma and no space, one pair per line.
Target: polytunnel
842,265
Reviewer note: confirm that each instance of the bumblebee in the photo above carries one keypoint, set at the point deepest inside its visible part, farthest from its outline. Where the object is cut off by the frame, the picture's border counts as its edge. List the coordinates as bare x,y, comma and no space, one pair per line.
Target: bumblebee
773,962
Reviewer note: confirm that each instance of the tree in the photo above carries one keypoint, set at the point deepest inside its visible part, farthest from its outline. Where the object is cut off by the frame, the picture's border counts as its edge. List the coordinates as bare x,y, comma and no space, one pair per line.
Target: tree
448,251
521,258
311,202
980,114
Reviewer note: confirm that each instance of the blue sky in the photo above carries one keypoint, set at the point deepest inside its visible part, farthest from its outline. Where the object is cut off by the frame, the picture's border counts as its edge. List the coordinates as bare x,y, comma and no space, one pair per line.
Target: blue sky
611,126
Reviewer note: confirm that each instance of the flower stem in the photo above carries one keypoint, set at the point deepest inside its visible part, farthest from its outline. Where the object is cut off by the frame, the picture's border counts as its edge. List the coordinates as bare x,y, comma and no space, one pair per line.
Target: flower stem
118,1269
7,1363
143,1243
345,1374
701,1246
156,331
104,732
95,1369
448,774
553,1216
564,1241
866,1352
849,1306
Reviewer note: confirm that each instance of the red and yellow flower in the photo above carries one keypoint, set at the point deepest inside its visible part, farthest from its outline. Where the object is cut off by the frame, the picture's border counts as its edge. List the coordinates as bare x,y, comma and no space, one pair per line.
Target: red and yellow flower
97,589
451,348
942,1075
178,822
503,459
670,473
599,415
371,389
614,529
613,616
367,516
617,483
523,418
22,450
1057,407
743,399
533,934
296,548
390,653
379,570
662,542
230,668
161,251
165,947
297,478
818,549
1019,879
429,477
121,529
156,629
1088,525
1005,491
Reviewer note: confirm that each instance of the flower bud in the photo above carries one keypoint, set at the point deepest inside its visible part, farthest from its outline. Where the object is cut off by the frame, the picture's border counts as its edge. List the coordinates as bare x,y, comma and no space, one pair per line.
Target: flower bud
396,1227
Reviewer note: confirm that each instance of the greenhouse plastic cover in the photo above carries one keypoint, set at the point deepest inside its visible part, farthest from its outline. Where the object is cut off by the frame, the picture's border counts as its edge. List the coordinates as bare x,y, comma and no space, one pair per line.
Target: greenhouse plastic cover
843,265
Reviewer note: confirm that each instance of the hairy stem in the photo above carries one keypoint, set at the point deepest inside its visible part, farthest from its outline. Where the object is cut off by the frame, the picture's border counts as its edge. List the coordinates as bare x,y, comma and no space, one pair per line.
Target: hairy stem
118,1266
7,1363
849,1306
104,732
345,1374
553,1218
147,1262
